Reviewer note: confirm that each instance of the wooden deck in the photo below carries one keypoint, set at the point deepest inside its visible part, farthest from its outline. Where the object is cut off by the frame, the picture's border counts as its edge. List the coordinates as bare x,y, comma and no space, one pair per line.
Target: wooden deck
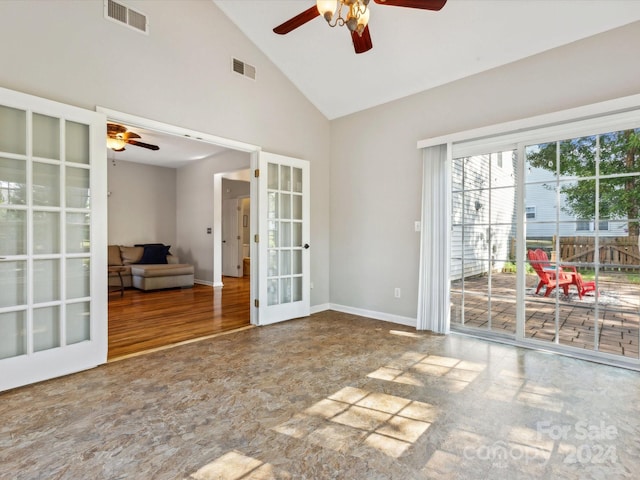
141,321
618,313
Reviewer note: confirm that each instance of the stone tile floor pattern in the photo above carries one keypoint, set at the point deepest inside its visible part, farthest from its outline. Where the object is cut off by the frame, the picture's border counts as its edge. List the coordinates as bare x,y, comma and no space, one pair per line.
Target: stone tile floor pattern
332,396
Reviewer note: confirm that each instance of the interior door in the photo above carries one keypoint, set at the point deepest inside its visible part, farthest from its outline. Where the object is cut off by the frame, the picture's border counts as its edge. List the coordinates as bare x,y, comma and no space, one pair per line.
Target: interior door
53,293
283,241
230,238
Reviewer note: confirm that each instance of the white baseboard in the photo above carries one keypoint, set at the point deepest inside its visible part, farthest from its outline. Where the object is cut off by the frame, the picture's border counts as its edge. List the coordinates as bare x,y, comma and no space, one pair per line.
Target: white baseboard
204,282
320,308
387,317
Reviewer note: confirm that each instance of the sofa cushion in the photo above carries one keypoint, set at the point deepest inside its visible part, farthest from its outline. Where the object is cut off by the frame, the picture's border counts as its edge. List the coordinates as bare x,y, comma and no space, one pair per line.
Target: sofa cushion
169,270
131,254
154,254
114,255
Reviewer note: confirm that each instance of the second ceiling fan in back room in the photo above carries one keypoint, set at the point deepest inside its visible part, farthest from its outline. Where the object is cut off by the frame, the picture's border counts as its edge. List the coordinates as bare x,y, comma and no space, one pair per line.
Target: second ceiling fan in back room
118,137
355,18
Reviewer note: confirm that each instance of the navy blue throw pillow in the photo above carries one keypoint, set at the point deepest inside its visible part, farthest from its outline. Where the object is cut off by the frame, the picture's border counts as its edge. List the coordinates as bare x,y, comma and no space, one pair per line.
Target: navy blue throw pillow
154,254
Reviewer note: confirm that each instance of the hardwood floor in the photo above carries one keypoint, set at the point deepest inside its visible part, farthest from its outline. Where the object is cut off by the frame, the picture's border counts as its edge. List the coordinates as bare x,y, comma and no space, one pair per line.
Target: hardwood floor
140,321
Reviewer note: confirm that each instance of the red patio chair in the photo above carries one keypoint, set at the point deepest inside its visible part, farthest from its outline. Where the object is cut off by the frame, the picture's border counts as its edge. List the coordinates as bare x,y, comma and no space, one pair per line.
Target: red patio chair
550,279
571,271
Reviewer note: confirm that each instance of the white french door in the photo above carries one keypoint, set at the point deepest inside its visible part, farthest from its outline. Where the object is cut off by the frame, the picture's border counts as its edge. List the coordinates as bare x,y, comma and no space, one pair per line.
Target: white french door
53,314
283,242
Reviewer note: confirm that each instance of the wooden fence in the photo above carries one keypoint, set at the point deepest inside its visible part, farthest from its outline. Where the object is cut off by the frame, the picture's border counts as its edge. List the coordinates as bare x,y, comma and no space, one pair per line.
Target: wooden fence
620,253
614,252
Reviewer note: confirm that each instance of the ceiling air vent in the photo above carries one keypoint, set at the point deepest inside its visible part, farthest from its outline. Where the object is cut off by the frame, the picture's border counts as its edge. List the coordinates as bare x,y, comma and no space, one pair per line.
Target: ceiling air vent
122,14
244,69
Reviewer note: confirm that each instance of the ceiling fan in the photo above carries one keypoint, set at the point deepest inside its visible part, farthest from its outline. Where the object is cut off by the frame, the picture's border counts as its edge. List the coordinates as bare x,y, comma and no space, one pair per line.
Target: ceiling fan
357,17
118,136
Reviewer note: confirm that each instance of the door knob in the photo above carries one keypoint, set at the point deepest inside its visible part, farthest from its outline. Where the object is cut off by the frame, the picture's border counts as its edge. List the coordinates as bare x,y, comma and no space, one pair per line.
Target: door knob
306,246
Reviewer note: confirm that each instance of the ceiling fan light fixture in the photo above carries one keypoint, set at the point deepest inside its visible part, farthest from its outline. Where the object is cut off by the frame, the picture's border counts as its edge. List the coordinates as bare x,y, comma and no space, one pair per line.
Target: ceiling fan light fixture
327,8
357,15
362,18
115,143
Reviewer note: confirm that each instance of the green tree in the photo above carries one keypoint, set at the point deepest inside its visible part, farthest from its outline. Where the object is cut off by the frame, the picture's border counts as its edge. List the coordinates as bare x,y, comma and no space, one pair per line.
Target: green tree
618,153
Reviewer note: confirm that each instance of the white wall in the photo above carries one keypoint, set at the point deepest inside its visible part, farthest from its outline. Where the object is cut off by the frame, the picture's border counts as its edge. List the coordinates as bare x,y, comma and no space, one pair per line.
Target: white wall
179,74
195,208
141,204
376,183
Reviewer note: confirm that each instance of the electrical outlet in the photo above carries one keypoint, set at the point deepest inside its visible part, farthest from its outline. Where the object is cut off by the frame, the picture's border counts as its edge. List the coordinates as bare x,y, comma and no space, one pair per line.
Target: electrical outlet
417,226
396,293
311,285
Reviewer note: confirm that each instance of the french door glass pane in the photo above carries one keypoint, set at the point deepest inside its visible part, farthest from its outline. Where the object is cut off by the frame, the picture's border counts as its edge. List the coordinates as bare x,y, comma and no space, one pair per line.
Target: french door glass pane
272,263
296,262
272,291
78,279
297,207
77,142
272,202
285,206
285,180
46,328
273,233
285,234
46,136
77,188
13,124
285,263
78,323
13,283
13,182
46,184
296,180
13,232
296,289
46,232
285,290
78,232
273,182
296,234
46,280
13,341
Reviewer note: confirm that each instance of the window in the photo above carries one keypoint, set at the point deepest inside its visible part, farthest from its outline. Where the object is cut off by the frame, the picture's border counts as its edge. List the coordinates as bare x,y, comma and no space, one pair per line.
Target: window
530,212
583,226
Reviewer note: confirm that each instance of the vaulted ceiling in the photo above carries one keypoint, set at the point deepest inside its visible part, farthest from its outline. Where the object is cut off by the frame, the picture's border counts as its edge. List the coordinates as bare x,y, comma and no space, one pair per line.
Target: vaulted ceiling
415,50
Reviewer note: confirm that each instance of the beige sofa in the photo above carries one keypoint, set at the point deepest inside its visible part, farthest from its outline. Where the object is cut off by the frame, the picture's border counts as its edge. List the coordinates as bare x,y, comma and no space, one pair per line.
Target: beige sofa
139,269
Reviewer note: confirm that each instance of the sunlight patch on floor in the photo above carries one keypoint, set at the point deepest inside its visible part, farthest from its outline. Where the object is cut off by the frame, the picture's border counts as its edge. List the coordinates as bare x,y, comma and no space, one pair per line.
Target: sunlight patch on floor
352,416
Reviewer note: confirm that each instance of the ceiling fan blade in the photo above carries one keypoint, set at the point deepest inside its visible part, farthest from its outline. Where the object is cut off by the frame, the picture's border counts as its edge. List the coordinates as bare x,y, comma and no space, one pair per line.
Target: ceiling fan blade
362,43
297,21
143,145
128,135
422,4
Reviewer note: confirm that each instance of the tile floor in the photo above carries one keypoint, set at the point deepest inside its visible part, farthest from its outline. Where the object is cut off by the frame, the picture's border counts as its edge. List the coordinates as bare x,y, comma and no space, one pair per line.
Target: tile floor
330,396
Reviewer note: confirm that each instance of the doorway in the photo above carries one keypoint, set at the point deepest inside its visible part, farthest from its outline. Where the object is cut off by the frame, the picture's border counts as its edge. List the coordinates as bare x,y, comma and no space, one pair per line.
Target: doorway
236,214
205,310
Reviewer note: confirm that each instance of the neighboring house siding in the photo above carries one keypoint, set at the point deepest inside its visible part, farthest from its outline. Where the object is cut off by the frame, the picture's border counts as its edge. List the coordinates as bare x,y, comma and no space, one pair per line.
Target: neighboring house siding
540,193
484,213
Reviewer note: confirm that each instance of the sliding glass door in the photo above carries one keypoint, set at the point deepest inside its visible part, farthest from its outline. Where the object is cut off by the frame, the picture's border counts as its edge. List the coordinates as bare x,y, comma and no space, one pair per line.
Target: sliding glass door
483,287
582,198
545,243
